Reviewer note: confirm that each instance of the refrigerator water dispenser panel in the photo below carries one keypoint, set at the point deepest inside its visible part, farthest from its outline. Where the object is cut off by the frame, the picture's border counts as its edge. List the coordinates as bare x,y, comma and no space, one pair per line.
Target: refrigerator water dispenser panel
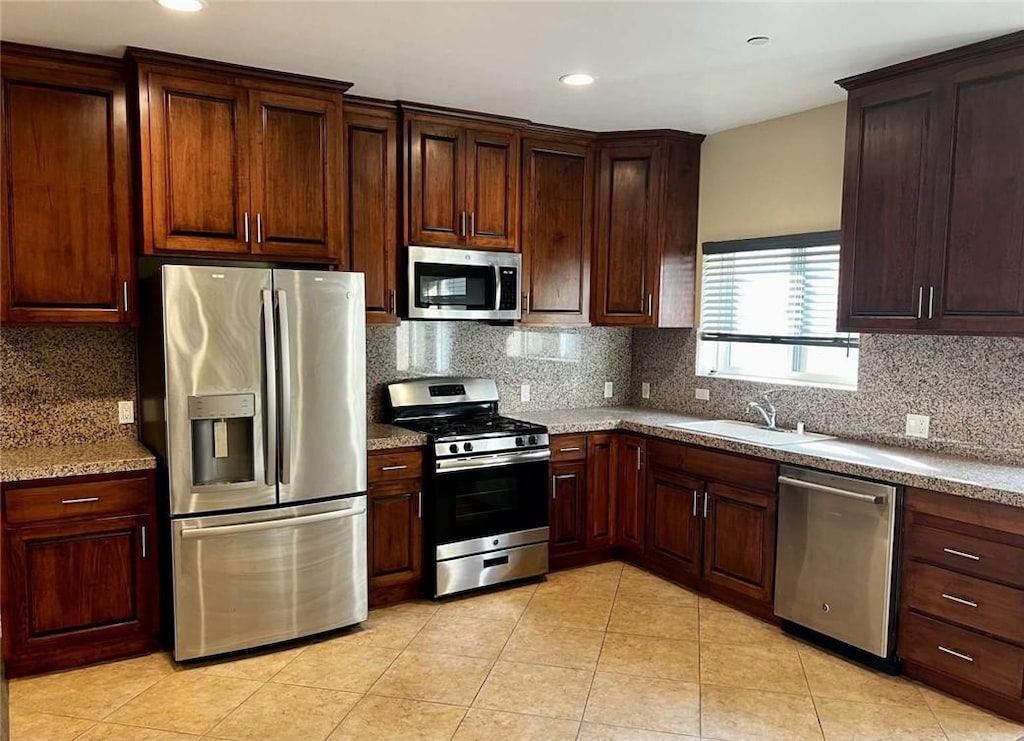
223,439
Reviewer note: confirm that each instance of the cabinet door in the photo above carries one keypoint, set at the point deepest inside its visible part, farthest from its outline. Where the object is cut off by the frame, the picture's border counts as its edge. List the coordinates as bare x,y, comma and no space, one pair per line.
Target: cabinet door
371,143
600,490
630,489
674,519
66,216
395,540
567,507
195,165
627,249
739,540
892,147
436,188
76,587
979,268
296,174
557,232
492,189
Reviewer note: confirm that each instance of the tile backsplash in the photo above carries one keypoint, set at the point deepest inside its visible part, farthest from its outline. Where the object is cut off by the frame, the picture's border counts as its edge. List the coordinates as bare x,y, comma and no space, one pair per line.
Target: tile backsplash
61,385
971,387
565,368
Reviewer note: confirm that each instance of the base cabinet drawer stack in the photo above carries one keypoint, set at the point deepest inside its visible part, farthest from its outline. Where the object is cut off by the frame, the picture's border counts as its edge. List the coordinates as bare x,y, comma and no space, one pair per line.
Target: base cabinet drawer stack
394,538
80,574
962,606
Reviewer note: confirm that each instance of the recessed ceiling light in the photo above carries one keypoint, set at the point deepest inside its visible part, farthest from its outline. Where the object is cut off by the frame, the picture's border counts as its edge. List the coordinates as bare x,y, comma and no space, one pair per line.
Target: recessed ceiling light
185,6
577,79
758,40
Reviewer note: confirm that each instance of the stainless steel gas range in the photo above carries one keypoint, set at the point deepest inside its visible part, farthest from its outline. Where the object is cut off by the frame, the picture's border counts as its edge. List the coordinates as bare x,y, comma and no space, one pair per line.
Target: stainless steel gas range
485,504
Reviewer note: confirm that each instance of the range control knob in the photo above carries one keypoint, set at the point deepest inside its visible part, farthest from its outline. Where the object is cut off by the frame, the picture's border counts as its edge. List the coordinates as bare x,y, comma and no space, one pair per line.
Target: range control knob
520,441
453,448
468,447
533,440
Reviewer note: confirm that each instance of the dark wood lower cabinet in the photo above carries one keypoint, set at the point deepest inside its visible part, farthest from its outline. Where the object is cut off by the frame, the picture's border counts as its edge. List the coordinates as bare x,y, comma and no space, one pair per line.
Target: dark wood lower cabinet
395,527
567,508
630,490
600,490
674,522
739,541
80,574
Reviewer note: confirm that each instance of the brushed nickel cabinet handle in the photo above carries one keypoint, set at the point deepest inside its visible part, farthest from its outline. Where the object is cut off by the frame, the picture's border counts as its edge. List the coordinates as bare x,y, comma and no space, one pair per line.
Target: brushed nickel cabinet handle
124,295
705,504
259,228
80,500
650,304
245,226
959,600
639,463
462,224
920,302
419,504
526,301
961,554
391,301
568,450
931,300
695,495
951,652
393,468
143,538
472,224
554,491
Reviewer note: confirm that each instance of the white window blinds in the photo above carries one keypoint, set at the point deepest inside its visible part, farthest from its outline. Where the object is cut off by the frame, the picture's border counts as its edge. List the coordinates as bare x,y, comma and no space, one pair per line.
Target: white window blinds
779,290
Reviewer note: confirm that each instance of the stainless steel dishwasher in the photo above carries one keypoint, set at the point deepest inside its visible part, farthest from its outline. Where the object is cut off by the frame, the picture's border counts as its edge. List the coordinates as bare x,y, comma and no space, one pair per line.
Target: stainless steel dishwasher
835,561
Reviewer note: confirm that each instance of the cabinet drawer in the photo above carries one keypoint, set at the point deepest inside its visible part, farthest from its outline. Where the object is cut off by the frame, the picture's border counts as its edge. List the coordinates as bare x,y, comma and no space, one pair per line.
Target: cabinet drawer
963,654
965,553
965,600
394,465
61,501
750,473
568,448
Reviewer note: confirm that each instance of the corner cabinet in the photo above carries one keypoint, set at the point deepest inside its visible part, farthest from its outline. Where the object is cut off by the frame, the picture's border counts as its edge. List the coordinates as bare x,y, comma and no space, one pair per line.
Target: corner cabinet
238,162
932,234
80,573
65,188
462,182
371,151
646,233
558,204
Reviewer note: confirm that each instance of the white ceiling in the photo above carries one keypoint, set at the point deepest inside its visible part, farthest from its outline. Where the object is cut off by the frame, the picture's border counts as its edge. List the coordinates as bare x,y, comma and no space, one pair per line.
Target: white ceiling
681,65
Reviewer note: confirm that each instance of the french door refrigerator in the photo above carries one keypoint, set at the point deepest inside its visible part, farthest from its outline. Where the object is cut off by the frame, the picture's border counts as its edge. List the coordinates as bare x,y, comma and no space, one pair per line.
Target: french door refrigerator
254,397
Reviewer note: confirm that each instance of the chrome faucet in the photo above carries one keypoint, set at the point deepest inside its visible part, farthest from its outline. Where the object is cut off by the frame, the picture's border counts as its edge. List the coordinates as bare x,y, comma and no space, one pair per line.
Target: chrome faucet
766,409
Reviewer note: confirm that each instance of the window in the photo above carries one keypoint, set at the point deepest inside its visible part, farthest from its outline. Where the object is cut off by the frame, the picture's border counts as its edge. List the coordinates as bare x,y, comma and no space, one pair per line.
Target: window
768,312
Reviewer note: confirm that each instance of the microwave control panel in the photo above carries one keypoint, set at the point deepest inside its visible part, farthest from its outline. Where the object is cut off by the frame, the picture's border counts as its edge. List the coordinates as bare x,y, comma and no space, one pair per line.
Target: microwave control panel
509,289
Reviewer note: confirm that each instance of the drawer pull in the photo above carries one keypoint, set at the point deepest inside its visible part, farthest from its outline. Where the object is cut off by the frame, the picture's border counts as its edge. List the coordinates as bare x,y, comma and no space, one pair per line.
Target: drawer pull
393,468
954,552
568,450
959,600
957,654
80,500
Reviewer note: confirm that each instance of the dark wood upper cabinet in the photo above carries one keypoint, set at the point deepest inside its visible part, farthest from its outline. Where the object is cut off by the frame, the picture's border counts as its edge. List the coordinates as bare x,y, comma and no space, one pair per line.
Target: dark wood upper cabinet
557,239
371,147
933,221
65,188
462,182
238,161
646,234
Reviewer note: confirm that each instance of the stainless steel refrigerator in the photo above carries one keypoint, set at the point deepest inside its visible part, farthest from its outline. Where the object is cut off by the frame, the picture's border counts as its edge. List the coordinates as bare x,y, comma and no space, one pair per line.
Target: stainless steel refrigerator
254,398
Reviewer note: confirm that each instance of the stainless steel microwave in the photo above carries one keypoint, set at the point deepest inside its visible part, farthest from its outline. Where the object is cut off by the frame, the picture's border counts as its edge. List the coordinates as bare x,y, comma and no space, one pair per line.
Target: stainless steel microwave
463,284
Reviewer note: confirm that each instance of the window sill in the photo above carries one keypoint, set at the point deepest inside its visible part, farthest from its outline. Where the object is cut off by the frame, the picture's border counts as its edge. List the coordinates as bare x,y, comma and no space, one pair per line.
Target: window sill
806,382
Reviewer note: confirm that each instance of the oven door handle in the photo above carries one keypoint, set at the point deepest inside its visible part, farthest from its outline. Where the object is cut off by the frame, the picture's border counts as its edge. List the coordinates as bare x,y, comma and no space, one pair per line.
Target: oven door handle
491,461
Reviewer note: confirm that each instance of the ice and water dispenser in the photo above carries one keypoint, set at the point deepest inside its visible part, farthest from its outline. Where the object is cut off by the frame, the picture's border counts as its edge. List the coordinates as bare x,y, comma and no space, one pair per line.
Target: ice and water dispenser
223,436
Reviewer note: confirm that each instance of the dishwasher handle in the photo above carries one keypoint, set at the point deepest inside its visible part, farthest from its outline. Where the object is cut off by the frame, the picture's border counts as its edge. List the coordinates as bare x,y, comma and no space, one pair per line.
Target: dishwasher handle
868,498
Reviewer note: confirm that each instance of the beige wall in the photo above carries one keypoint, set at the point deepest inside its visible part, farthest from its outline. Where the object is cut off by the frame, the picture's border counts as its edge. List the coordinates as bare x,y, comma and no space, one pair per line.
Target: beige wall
782,176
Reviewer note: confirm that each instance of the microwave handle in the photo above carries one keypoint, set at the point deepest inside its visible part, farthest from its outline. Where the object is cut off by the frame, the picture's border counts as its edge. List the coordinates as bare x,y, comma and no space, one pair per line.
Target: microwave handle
497,287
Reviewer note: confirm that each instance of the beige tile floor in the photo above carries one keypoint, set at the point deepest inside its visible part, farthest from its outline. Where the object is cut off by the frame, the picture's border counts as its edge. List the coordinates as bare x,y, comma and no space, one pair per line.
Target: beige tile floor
603,653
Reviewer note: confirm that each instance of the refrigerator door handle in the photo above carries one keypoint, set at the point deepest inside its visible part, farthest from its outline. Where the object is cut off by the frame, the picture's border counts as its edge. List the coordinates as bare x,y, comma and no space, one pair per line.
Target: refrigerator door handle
270,397
284,358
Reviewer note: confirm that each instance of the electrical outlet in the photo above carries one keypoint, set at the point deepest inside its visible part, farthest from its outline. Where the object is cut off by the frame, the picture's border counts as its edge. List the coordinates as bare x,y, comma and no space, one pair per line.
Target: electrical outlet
524,392
917,425
702,394
608,390
645,390
125,412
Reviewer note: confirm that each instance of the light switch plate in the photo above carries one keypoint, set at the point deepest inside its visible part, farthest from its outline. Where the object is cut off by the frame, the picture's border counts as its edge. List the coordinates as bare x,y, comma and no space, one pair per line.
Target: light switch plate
608,389
125,412
917,425
702,394
645,390
524,392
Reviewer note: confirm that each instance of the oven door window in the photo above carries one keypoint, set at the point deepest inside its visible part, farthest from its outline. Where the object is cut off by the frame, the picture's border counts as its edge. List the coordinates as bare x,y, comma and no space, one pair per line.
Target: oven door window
470,287
490,501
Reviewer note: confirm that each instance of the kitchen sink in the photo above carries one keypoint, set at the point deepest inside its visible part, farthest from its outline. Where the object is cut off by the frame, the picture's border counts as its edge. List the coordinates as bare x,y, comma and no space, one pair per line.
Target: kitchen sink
749,432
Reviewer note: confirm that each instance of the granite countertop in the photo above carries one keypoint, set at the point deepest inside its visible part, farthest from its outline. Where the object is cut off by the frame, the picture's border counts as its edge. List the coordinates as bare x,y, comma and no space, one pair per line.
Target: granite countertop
59,461
1002,483
384,437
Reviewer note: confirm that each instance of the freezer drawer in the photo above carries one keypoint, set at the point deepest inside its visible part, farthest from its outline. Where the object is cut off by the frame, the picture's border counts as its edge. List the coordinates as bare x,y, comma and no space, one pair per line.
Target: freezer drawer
835,555
250,579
